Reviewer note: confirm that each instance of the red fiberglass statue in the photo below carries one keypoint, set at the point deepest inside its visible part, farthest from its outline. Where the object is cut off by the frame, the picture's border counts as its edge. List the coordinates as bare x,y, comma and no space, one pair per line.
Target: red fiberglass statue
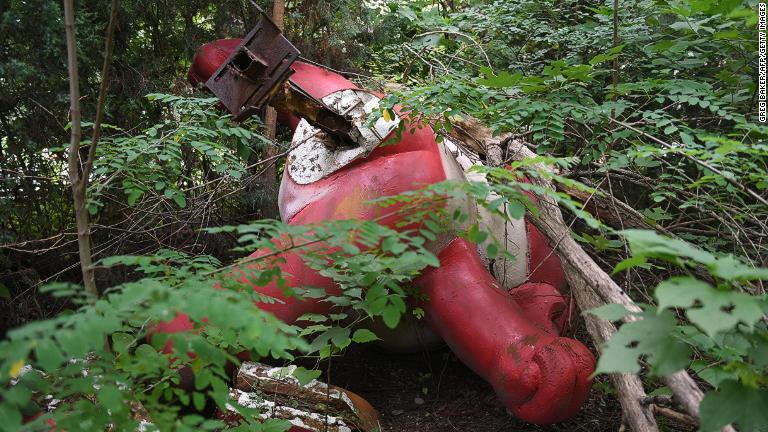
506,328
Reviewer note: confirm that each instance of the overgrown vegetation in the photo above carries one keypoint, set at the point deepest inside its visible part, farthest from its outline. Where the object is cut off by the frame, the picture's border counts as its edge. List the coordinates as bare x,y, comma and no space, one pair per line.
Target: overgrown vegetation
663,118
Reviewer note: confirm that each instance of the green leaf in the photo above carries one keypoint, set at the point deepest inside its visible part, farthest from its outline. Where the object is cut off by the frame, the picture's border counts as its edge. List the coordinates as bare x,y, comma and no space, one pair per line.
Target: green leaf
652,336
475,235
180,200
49,356
134,195
10,417
731,268
712,374
364,335
649,244
304,376
121,342
711,309
492,250
339,335
111,398
275,425
633,261
608,55
734,403
391,316
515,209
503,79
198,400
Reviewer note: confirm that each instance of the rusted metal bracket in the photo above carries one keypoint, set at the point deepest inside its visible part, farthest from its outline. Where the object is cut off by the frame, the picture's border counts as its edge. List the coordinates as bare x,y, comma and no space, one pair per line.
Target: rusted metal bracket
254,71
292,98
257,73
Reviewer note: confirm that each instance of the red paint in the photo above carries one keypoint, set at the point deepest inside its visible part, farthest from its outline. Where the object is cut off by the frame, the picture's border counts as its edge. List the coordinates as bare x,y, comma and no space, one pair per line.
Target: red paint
510,339
545,306
318,82
209,57
543,263
542,378
30,418
296,274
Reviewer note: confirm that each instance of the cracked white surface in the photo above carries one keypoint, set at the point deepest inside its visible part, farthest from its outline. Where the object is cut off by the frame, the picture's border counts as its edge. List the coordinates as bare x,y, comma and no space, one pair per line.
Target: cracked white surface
296,417
512,235
316,155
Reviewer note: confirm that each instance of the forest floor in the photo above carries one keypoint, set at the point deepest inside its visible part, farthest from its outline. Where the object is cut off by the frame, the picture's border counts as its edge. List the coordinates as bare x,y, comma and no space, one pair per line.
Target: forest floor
434,391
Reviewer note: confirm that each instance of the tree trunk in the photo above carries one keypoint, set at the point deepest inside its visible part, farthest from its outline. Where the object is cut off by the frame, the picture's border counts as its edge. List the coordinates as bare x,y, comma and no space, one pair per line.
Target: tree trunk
270,209
78,186
78,172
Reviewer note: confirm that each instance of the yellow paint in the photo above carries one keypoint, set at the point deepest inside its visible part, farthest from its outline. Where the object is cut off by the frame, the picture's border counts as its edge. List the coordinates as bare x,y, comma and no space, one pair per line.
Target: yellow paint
16,368
351,205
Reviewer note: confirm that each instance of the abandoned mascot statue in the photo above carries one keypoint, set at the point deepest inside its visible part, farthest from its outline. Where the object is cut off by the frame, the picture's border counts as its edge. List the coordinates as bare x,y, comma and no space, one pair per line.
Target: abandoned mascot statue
506,328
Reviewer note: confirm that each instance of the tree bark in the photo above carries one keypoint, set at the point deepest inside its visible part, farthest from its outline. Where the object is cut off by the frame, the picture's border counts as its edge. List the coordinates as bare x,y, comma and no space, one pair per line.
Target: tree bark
629,387
270,210
592,287
77,171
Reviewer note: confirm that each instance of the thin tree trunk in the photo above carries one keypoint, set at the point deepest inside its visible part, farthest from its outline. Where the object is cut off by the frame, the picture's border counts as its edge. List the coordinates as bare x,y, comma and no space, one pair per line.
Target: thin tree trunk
78,173
270,120
614,44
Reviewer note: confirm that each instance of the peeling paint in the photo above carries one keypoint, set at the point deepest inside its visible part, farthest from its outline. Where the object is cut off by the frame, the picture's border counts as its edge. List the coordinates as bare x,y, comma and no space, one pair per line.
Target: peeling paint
317,155
511,234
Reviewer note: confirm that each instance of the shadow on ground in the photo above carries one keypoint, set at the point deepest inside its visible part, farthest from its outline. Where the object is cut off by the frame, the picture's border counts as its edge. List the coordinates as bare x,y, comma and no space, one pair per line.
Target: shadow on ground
433,391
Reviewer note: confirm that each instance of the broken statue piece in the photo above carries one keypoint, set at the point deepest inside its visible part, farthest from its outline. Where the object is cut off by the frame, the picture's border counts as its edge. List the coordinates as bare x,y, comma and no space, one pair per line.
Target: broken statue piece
314,406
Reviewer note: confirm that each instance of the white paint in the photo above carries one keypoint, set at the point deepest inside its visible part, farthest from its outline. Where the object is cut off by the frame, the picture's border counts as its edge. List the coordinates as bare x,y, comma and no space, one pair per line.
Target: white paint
296,417
511,235
285,375
316,156
357,105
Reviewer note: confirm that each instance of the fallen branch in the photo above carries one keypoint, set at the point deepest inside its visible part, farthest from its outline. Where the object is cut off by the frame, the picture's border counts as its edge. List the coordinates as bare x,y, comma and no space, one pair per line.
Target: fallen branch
584,275
674,415
697,161
629,387
590,285
611,211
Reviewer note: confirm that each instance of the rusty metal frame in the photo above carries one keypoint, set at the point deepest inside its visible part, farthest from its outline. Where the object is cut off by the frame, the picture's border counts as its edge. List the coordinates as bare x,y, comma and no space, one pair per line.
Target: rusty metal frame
254,71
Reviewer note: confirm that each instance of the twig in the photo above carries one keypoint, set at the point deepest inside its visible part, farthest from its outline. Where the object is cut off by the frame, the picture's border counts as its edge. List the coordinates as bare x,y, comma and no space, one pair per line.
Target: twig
695,160
476,43
105,70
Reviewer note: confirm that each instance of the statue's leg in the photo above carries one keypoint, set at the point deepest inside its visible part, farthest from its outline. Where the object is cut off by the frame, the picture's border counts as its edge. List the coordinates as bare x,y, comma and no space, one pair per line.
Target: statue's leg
545,306
289,306
542,296
542,378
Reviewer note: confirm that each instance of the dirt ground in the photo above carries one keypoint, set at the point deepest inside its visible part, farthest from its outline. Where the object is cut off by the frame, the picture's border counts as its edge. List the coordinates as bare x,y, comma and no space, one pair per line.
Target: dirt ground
433,391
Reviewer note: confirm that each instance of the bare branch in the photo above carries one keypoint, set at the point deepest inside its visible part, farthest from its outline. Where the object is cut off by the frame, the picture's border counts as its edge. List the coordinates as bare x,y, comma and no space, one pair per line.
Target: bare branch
105,69
79,177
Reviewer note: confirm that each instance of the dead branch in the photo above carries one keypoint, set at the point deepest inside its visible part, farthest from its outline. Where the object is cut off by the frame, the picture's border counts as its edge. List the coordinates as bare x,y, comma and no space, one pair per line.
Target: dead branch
697,161
591,287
